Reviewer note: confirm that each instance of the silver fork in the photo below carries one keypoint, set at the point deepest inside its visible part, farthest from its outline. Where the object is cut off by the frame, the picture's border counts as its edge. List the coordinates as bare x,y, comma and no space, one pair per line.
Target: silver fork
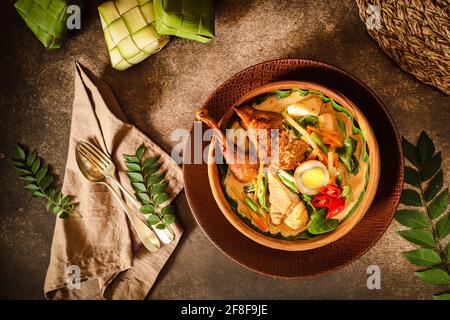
108,169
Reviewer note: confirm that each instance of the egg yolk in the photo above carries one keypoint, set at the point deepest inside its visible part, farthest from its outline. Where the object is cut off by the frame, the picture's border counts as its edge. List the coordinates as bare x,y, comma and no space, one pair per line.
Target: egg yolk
313,178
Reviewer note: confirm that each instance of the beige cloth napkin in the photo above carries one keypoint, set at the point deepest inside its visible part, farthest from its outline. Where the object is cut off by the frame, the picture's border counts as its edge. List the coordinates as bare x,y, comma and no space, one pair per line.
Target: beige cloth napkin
112,261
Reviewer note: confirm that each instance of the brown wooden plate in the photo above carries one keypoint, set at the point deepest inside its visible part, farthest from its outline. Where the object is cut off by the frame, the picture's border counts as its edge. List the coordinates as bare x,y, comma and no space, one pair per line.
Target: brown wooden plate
336,254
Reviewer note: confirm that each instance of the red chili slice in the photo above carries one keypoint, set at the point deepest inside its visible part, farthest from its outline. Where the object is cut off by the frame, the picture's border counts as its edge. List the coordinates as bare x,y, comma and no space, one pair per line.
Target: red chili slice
331,190
321,201
336,206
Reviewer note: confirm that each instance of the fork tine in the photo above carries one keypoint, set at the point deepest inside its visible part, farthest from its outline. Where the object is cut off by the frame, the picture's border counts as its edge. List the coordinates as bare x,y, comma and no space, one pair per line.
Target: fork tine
95,154
98,152
90,158
93,157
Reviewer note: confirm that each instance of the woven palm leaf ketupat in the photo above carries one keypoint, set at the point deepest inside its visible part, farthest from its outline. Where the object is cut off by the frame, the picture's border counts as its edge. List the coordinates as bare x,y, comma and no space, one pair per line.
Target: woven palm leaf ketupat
190,19
46,18
130,33
416,34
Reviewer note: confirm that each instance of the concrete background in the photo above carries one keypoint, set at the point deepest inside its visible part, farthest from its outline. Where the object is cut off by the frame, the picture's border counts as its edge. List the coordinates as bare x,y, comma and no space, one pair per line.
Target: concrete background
161,94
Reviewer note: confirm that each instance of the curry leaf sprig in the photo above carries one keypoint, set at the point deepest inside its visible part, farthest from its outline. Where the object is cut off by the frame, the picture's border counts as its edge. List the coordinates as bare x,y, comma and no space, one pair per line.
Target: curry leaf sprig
39,181
147,182
427,223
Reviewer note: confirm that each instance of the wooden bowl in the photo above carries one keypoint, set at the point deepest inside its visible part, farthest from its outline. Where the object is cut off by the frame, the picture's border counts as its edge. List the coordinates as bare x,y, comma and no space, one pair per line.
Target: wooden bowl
345,226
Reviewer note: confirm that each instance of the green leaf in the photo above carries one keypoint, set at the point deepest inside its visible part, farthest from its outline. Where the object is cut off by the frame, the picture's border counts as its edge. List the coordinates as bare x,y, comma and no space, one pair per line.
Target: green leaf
442,296
63,214
135,176
412,177
133,166
149,161
131,159
20,153
139,186
58,197
411,218
320,225
31,157
64,201
19,164
410,197
23,171
312,121
140,151
161,198
161,226
423,257
151,169
48,205
142,196
50,193
157,178
57,209
166,210
41,173
439,204
148,208
410,152
443,226
434,186
425,147
47,181
153,219
158,188
419,236
28,178
169,218
280,94
38,194
436,277
431,167
36,165
31,187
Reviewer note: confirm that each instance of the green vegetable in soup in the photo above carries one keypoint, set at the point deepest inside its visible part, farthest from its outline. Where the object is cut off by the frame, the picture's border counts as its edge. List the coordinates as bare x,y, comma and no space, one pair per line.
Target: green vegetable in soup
280,94
320,225
347,155
288,180
339,178
262,193
341,125
346,190
319,142
312,121
251,204
249,187
294,133
308,200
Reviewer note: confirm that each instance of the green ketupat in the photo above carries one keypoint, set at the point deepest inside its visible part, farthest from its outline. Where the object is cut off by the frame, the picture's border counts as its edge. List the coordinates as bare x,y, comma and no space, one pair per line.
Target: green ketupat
190,19
130,33
46,18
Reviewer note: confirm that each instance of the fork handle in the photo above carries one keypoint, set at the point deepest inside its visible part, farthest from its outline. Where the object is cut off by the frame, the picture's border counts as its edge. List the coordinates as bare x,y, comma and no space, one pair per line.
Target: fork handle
166,235
147,236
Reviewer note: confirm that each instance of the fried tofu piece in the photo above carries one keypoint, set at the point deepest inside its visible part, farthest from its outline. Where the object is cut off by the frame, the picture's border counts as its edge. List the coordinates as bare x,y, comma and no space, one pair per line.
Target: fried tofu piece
298,218
282,200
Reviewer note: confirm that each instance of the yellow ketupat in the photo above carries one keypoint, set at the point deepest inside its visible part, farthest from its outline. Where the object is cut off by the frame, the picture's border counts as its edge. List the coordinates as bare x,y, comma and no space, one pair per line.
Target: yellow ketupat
130,33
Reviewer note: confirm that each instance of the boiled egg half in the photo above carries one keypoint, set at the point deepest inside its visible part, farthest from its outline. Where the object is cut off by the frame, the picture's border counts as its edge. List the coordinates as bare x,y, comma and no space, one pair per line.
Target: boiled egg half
310,176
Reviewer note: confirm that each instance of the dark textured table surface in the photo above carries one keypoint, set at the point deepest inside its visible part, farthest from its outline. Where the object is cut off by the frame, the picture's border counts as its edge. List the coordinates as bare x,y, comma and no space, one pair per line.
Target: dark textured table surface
161,94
